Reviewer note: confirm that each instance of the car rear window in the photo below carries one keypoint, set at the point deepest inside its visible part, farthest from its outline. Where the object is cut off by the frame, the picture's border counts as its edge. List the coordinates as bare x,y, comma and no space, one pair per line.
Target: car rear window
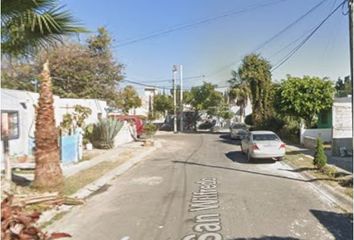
239,126
265,137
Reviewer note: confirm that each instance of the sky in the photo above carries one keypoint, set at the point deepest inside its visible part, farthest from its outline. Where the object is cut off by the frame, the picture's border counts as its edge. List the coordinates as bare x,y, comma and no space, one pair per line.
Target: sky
210,49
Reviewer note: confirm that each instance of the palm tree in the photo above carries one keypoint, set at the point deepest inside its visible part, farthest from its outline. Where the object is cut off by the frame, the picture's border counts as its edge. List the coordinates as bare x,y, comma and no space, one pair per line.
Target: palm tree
239,93
26,27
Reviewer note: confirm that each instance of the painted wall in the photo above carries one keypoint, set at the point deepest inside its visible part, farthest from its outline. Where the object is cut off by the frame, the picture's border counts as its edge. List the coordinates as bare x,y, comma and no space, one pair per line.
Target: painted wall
324,133
24,102
342,125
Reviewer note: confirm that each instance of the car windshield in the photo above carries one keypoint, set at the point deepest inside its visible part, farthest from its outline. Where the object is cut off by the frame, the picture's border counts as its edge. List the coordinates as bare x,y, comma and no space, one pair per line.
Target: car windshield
265,137
239,126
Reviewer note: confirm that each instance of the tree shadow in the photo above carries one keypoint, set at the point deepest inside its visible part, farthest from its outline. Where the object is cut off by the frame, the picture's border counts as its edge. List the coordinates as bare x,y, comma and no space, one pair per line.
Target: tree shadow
266,238
238,156
253,172
338,224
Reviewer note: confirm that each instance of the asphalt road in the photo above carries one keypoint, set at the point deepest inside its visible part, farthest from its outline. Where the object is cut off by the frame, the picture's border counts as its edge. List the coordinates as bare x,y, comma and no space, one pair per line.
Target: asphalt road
200,186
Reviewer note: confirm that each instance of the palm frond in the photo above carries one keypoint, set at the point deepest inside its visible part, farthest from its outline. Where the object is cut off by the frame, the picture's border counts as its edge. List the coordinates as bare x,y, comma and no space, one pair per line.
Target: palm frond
36,25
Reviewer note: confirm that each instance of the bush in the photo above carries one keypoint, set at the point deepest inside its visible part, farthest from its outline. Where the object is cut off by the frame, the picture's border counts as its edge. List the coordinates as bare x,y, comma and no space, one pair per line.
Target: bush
248,119
149,129
103,133
329,171
320,158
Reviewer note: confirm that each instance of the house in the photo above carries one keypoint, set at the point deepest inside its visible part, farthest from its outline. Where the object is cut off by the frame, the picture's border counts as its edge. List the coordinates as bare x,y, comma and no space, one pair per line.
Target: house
342,132
334,126
18,115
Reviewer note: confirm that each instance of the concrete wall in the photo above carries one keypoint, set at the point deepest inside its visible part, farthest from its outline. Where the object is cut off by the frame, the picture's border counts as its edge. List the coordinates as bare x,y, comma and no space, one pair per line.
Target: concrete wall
24,102
125,134
342,125
324,133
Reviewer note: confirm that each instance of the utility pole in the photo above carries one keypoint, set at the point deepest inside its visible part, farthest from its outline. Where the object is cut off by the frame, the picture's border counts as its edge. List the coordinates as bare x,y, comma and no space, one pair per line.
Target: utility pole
174,71
351,47
181,96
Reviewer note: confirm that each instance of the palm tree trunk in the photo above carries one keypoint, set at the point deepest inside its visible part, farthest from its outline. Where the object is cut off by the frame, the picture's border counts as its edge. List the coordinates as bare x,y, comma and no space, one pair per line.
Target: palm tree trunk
48,173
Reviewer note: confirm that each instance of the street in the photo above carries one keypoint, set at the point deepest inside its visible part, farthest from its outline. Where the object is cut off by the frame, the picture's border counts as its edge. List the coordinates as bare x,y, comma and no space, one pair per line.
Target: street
200,186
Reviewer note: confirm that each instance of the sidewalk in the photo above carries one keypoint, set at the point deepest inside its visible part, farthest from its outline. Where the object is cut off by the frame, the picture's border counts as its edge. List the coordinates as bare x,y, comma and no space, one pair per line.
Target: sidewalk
330,187
341,163
121,158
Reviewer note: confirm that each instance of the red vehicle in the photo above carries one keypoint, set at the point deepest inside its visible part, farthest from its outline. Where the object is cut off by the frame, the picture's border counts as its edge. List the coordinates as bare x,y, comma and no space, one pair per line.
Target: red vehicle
139,124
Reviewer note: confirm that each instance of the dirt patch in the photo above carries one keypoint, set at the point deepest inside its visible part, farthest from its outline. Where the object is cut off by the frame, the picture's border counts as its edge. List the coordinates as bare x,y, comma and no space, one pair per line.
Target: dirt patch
340,181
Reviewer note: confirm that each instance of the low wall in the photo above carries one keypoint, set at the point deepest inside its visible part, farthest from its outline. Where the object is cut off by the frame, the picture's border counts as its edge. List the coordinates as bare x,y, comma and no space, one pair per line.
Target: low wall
325,134
309,142
126,134
345,143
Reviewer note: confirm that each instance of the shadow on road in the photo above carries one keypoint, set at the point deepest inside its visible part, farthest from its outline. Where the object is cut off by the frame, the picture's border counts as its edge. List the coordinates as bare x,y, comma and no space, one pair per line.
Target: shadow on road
250,172
266,238
237,156
338,224
225,138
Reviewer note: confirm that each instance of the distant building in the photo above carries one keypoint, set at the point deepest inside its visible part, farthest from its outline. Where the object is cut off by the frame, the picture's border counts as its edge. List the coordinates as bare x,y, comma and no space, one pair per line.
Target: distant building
147,102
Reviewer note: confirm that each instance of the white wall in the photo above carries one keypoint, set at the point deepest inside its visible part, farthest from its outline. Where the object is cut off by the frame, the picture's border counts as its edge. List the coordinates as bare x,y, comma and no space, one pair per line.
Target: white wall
125,134
24,102
324,133
342,119
66,105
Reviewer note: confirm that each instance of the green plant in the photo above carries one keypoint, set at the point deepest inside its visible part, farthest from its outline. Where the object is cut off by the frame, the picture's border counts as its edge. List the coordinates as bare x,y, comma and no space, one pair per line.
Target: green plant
248,119
88,133
329,171
103,133
149,129
320,158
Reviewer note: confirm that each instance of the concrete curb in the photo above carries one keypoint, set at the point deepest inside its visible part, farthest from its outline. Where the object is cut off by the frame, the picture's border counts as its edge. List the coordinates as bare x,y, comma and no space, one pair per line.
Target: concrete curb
342,201
97,184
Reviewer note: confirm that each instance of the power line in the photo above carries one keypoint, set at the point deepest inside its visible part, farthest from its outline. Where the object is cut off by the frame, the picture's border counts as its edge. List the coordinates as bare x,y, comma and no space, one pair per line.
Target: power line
262,45
302,43
170,80
189,25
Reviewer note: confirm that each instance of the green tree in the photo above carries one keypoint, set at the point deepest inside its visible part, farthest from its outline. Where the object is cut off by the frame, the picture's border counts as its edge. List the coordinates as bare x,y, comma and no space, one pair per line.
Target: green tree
163,103
86,71
19,76
304,97
27,26
320,158
239,93
204,97
255,71
343,87
128,98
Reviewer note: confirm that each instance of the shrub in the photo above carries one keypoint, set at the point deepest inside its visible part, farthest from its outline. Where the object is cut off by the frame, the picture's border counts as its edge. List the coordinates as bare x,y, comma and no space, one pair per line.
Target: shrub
329,171
88,133
320,158
103,133
248,119
149,129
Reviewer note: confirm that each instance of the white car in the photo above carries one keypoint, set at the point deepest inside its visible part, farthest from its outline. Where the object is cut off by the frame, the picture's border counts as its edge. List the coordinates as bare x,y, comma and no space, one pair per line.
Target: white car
238,131
263,144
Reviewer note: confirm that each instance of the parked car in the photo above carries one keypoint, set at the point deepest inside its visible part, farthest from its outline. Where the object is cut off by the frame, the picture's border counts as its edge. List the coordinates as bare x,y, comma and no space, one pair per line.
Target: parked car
238,131
139,124
263,144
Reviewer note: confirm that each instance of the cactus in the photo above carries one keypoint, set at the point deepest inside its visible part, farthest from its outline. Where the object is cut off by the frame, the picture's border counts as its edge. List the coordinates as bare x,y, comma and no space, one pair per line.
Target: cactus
104,132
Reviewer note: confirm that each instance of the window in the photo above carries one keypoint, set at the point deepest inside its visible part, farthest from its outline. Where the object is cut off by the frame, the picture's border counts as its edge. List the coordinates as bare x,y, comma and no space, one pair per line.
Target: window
10,124
265,137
